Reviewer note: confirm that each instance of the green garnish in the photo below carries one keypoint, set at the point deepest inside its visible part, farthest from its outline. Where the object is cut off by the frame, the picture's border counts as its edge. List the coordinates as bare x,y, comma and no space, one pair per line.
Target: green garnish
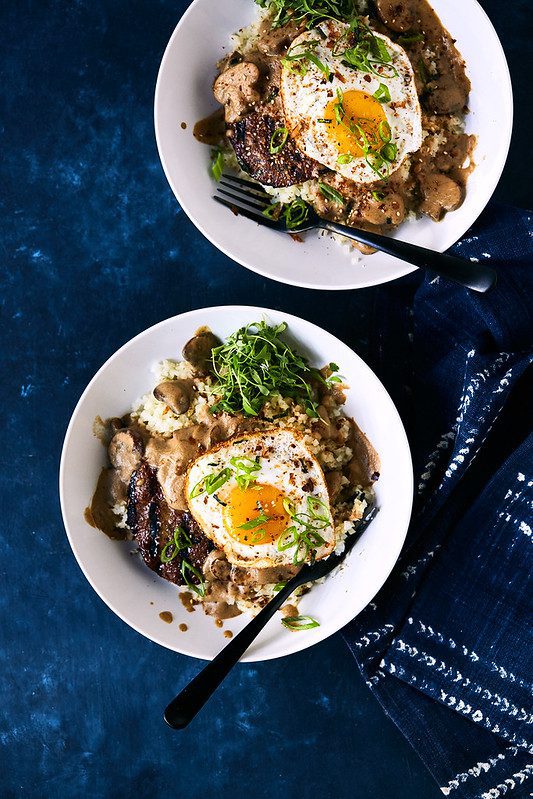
279,586
294,213
389,151
365,51
382,94
411,38
330,193
198,588
422,71
378,196
246,470
256,364
180,541
253,523
278,140
217,163
257,536
345,158
273,211
295,61
296,623
325,121
211,483
304,533
313,11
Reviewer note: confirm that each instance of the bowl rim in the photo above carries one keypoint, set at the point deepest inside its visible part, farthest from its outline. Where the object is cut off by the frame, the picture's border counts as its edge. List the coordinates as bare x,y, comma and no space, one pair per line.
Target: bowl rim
393,553
398,271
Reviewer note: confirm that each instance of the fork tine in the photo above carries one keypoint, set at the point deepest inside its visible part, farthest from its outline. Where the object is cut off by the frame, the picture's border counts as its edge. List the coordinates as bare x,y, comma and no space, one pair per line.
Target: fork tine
259,218
268,199
259,206
248,184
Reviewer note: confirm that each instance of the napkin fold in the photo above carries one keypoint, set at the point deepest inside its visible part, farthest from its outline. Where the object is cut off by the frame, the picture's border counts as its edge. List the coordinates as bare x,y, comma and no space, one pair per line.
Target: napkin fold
446,646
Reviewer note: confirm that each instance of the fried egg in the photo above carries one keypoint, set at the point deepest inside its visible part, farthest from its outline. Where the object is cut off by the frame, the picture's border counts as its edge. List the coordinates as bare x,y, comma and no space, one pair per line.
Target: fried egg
344,120
263,499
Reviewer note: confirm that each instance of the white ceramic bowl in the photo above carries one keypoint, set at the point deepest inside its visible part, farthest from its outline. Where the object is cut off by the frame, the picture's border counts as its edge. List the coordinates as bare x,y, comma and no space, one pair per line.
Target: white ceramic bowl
137,595
184,94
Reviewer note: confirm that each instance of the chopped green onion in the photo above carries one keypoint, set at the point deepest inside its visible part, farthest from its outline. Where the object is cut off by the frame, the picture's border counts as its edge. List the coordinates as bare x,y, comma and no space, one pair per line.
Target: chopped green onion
389,151
345,158
296,213
316,507
246,470
422,71
296,623
278,140
330,193
411,38
279,586
287,539
378,196
197,588
257,536
217,165
289,507
294,62
384,130
273,211
211,483
367,53
180,541
325,121
253,523
382,94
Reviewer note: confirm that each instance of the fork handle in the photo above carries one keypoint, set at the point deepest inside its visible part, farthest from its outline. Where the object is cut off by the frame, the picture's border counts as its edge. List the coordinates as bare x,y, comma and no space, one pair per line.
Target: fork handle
477,277
184,707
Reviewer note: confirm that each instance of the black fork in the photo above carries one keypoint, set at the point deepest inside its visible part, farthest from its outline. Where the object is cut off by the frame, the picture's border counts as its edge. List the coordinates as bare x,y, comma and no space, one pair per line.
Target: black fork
249,199
184,707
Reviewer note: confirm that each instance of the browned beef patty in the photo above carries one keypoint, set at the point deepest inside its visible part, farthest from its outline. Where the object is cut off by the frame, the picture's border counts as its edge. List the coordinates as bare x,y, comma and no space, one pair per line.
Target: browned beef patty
153,523
250,138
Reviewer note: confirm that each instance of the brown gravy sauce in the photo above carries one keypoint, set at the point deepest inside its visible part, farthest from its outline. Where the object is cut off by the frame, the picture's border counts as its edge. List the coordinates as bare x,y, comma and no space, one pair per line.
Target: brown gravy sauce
188,601
212,129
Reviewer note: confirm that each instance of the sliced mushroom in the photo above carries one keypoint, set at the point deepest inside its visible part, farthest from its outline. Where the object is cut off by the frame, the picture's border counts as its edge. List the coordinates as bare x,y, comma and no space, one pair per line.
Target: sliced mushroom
398,16
385,209
177,394
334,484
447,95
125,451
441,194
216,567
234,89
197,350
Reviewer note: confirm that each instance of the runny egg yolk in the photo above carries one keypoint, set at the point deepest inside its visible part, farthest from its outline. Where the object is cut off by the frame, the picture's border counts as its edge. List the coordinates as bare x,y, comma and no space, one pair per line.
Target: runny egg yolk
260,508
362,110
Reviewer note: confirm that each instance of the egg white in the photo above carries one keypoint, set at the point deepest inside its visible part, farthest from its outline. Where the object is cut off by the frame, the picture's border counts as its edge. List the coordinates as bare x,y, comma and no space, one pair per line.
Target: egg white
286,463
305,98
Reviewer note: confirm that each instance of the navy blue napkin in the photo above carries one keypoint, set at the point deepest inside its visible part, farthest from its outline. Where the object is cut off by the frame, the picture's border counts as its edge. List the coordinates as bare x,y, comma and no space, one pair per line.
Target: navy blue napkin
446,646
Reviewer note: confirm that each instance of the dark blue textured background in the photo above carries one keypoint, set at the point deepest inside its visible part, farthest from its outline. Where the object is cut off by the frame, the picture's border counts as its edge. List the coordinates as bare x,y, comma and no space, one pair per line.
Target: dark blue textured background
94,249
